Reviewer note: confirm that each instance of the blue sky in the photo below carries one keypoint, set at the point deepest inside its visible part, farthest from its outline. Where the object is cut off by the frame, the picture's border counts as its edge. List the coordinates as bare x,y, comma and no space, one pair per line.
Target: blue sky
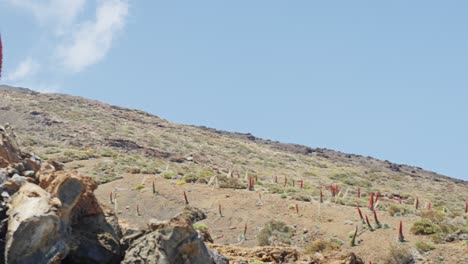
386,79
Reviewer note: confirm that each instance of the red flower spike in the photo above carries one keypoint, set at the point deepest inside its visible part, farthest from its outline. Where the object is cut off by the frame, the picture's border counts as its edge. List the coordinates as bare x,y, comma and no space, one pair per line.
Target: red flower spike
401,238
297,209
185,198
358,192
375,218
321,196
371,201
368,224
360,213
416,204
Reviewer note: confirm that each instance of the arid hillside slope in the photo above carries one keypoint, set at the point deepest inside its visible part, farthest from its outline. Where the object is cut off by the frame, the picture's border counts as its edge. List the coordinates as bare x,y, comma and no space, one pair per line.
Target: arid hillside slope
145,164
74,128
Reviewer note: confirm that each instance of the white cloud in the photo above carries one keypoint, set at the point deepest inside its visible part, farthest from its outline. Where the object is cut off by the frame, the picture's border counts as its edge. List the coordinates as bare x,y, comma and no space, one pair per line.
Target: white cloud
58,13
75,39
26,69
93,39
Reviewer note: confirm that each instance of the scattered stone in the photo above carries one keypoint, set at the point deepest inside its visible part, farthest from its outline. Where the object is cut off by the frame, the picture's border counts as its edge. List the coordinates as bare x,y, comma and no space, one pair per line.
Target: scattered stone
29,173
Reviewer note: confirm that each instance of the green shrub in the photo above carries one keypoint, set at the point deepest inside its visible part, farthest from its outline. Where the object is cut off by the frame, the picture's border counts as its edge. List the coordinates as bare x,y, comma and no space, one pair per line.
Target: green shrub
422,246
139,186
398,255
398,210
182,182
275,229
276,189
424,227
433,216
200,226
190,178
321,245
108,153
301,197
169,175
231,183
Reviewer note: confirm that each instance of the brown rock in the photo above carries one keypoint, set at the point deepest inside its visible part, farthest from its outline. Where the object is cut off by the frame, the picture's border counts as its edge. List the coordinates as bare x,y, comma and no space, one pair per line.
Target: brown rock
174,242
35,231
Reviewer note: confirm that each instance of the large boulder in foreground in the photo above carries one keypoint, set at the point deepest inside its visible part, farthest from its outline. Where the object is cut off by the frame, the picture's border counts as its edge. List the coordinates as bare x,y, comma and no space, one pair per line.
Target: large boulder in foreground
170,242
36,233
95,233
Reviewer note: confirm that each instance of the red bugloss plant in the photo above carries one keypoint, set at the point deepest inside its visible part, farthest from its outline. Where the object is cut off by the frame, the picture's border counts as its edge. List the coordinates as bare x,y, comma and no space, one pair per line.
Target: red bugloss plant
401,238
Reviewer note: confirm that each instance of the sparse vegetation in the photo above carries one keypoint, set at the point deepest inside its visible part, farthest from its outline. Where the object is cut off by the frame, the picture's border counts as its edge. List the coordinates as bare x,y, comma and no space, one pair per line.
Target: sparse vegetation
424,227
200,226
422,246
186,154
321,245
275,232
398,254
398,210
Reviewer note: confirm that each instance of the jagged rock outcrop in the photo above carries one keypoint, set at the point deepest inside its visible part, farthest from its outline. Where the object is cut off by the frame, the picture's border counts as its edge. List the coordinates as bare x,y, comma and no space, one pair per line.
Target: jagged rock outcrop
36,233
51,216
174,241
95,234
9,152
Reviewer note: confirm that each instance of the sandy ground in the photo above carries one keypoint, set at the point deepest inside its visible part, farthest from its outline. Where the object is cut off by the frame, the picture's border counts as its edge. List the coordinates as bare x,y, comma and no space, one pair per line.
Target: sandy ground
240,207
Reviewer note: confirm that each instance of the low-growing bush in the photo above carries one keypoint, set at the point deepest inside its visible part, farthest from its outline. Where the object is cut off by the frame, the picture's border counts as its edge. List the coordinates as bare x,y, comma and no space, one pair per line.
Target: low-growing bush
398,255
275,232
231,183
276,189
432,215
301,197
424,227
200,226
190,178
321,245
422,246
169,175
398,210
182,182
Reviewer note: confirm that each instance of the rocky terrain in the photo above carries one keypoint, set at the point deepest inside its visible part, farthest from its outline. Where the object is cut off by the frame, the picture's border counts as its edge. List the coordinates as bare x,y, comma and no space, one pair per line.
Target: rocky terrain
52,216
113,185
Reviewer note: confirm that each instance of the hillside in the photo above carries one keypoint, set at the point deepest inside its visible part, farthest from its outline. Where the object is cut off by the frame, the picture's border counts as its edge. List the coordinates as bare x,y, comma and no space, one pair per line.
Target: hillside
126,150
